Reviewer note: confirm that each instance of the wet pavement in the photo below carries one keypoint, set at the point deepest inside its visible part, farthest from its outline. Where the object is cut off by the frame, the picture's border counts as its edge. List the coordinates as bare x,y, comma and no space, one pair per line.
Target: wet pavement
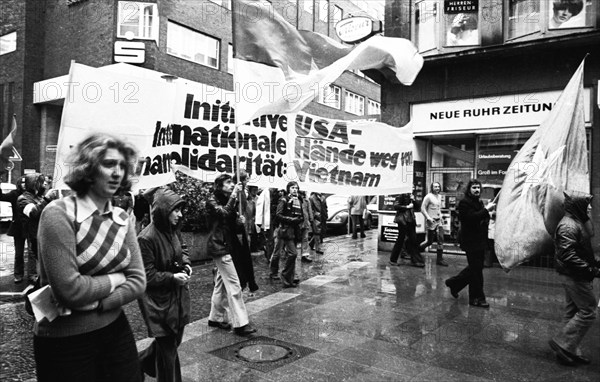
356,318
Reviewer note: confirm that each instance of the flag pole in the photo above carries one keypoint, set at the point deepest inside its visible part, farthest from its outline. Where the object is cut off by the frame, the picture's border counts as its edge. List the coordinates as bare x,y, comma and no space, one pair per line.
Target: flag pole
237,139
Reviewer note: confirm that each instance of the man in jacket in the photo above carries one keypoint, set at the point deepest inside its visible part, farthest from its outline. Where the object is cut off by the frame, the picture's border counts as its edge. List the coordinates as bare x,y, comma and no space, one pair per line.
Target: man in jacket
407,228
577,267
474,219
320,216
357,206
290,218
165,305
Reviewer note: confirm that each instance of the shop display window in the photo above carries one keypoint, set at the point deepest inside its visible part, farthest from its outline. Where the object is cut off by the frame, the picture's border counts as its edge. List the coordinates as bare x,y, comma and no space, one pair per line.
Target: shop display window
496,152
458,152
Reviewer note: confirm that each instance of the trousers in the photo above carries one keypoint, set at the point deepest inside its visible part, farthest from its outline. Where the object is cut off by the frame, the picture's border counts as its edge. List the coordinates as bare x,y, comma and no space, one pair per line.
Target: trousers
227,298
472,276
161,360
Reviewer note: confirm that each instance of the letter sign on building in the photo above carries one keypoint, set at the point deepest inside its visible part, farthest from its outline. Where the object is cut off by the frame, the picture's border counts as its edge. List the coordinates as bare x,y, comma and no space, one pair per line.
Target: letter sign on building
130,52
355,29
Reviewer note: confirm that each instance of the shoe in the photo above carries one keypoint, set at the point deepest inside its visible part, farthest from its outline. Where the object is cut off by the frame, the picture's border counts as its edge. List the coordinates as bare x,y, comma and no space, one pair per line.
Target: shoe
306,259
393,263
453,292
253,287
245,330
220,325
562,356
418,265
18,279
580,359
442,263
479,303
362,235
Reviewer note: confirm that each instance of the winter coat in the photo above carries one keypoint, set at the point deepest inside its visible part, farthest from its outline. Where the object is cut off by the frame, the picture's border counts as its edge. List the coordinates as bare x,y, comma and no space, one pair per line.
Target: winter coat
320,215
572,240
165,306
404,216
474,220
30,206
289,224
307,214
222,239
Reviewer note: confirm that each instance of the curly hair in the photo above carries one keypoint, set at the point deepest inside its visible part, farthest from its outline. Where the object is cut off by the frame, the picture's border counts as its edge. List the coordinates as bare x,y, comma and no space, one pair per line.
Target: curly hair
86,157
471,183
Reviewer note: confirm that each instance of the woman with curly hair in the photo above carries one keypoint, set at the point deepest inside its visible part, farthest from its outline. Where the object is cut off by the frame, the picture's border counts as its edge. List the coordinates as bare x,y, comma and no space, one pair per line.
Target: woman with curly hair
90,258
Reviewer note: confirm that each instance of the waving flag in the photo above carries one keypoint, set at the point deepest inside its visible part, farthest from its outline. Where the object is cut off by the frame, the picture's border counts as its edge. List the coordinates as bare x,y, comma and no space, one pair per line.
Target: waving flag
6,148
554,159
279,69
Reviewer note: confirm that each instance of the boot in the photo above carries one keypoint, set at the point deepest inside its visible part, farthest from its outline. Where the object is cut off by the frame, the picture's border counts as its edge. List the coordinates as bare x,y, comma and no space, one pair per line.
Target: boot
440,260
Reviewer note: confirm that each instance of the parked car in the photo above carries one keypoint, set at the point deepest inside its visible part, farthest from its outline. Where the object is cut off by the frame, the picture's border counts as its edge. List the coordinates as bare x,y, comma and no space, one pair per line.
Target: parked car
5,207
337,209
373,207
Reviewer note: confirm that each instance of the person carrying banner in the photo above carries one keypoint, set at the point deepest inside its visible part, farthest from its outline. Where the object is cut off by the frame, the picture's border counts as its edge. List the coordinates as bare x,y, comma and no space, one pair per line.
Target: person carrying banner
474,219
90,258
431,209
290,217
577,266
405,218
165,305
227,297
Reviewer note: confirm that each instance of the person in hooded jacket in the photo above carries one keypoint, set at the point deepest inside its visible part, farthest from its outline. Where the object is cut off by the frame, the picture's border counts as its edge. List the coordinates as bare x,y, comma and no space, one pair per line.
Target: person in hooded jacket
577,266
166,304
30,206
16,229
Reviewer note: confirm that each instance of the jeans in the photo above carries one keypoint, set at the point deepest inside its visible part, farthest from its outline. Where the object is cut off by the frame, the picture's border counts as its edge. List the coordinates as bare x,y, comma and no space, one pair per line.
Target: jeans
107,354
472,276
289,255
434,235
32,259
412,247
19,241
227,295
361,223
580,313
161,360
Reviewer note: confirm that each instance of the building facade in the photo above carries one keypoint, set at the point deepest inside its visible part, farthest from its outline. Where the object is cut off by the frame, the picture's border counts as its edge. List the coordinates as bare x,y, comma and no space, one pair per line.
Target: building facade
493,69
189,39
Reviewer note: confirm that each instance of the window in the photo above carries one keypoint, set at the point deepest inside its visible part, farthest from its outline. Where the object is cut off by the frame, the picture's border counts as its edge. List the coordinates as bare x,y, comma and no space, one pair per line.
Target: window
425,25
337,14
373,108
223,3
230,59
331,96
458,152
8,43
308,6
190,45
495,153
355,104
531,16
324,10
138,20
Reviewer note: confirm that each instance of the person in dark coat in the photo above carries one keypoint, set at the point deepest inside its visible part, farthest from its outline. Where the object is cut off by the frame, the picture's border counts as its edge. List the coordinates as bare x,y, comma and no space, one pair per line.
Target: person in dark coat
16,229
30,206
407,228
165,305
474,219
577,266
290,217
320,216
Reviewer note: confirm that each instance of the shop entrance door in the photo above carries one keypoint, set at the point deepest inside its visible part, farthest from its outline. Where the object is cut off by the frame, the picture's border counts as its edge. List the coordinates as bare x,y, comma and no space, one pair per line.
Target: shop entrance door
454,182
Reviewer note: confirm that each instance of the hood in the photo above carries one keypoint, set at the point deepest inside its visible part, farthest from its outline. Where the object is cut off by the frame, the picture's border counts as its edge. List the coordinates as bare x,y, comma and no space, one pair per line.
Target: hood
165,201
576,204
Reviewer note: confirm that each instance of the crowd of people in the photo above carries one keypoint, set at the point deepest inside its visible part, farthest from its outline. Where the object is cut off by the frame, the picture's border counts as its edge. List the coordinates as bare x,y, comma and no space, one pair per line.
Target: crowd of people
100,248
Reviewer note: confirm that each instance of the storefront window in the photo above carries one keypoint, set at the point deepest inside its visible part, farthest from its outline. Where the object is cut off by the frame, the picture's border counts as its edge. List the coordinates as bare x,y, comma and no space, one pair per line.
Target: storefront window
496,152
459,152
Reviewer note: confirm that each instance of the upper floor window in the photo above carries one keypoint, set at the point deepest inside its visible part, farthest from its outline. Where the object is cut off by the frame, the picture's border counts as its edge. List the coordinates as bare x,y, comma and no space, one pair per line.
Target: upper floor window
331,96
373,108
337,14
8,43
530,16
193,46
354,103
137,20
308,6
426,24
324,10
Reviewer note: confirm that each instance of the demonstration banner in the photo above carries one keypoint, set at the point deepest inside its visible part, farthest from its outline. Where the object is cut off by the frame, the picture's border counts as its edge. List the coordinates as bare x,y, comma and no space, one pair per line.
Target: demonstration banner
190,127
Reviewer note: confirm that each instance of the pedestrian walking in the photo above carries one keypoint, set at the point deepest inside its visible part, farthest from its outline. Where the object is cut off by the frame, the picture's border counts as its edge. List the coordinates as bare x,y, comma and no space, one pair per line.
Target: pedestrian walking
90,258
227,303
16,229
320,216
357,206
577,266
431,209
474,218
407,228
306,228
290,217
165,305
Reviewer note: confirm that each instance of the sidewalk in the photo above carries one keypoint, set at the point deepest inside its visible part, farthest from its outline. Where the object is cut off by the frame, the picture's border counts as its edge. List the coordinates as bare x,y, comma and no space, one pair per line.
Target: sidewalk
366,321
